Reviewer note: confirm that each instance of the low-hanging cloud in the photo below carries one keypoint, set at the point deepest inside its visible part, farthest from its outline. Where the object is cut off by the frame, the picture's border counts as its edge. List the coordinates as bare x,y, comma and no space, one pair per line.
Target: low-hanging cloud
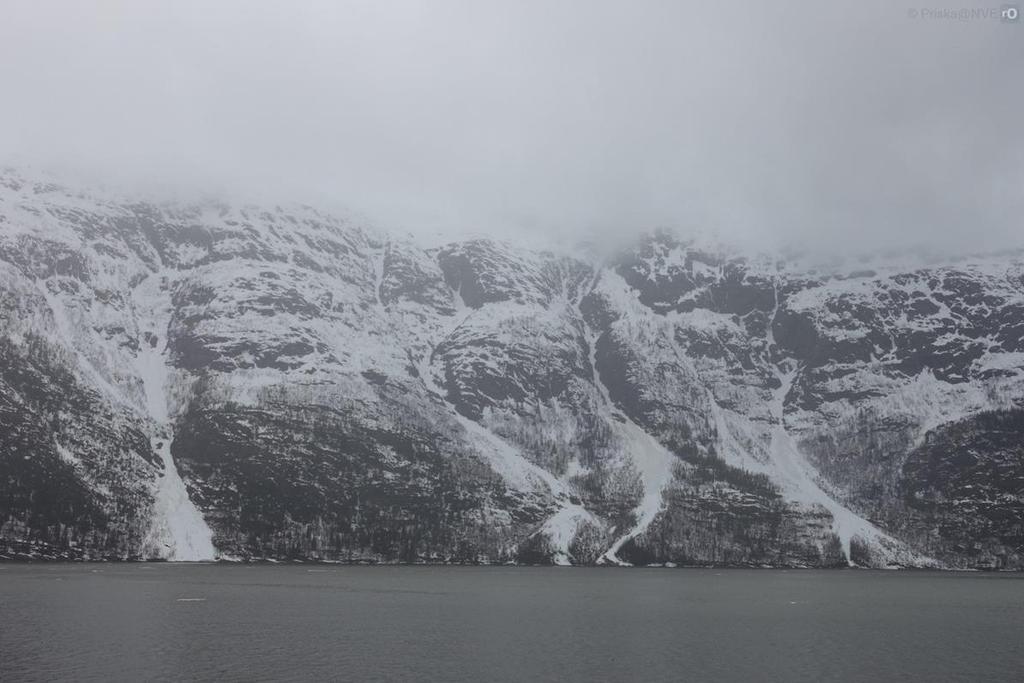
870,125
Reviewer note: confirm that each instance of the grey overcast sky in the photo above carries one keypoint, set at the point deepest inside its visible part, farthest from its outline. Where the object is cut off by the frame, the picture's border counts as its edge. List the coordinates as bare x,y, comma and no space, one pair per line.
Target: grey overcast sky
842,124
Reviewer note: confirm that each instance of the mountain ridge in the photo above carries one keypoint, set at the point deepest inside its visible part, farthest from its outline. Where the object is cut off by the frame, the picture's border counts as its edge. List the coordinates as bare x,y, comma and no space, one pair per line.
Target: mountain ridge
283,384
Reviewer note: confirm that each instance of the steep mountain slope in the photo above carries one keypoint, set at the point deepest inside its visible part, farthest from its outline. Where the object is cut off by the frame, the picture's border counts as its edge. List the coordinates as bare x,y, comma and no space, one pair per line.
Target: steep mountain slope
190,382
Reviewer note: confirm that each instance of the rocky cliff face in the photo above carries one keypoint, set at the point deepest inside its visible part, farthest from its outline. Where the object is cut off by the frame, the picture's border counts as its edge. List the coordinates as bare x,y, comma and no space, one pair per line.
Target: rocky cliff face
190,382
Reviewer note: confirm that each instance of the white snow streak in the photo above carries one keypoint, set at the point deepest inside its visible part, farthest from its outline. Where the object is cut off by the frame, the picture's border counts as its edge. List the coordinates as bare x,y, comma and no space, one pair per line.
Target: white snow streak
652,460
516,470
798,479
378,275
654,463
178,531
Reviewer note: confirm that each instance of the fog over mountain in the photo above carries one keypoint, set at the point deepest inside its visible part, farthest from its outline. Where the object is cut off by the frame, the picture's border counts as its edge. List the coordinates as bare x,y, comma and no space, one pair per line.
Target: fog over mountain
830,127
526,282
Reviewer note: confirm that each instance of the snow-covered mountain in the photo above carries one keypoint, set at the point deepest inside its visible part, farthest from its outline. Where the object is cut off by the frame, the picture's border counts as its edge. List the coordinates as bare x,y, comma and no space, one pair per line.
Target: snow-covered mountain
201,381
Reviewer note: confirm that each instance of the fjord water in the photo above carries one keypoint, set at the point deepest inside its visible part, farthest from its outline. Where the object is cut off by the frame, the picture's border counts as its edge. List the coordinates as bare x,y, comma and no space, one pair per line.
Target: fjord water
104,622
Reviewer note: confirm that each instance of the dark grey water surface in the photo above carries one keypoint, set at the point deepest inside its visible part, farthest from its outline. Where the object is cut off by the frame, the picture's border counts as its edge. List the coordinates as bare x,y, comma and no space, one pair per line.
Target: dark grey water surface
302,622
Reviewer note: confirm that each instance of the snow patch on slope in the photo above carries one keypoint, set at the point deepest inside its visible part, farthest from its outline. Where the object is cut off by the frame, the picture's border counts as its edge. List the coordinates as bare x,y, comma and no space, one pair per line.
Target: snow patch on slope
561,528
67,329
